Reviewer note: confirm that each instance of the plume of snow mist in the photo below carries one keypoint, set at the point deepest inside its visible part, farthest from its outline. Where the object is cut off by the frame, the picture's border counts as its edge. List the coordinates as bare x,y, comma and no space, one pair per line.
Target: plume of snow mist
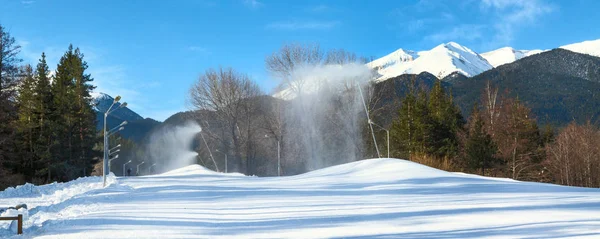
172,147
325,113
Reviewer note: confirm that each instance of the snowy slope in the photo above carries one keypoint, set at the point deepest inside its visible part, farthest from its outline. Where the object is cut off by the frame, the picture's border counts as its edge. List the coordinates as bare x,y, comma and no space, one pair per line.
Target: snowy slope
586,47
397,57
507,55
377,198
440,61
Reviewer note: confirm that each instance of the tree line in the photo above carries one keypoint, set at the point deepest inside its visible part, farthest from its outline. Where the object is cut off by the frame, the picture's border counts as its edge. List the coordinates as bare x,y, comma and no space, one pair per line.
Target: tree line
48,131
499,138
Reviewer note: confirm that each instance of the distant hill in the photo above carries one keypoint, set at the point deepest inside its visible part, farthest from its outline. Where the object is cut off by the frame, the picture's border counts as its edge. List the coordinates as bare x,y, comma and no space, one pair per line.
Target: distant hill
137,127
559,85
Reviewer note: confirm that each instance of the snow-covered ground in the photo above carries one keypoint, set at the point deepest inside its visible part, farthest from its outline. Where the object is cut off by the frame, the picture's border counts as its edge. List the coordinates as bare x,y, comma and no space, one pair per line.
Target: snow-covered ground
376,198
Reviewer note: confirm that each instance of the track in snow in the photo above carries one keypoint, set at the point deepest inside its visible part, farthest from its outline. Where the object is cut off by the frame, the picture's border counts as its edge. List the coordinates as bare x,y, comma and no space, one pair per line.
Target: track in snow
376,198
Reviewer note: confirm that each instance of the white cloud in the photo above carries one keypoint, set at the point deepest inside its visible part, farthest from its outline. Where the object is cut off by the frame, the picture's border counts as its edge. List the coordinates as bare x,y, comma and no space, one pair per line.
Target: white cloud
305,25
492,23
462,32
510,15
254,4
27,2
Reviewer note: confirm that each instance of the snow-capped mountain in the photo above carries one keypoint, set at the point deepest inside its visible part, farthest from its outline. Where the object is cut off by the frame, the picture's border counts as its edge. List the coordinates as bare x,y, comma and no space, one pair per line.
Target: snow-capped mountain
397,57
137,127
440,61
448,58
102,101
587,47
506,55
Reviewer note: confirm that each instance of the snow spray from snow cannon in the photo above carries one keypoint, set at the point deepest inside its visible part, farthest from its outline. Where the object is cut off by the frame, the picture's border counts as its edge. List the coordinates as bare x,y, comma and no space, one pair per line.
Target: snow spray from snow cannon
171,147
326,114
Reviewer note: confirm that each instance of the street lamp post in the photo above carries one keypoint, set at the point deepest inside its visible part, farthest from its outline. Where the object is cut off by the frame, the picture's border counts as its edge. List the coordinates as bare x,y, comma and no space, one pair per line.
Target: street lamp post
110,160
150,168
105,157
278,156
124,167
225,160
137,169
388,136
117,148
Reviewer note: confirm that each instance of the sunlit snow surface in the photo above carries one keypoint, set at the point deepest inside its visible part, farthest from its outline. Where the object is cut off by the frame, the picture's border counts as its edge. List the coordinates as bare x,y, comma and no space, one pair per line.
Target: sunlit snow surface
377,198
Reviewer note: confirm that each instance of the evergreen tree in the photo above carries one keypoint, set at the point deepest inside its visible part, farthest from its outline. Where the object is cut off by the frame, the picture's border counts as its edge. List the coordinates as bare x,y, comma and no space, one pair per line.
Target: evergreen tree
446,121
26,123
479,147
85,115
409,132
8,114
43,108
73,116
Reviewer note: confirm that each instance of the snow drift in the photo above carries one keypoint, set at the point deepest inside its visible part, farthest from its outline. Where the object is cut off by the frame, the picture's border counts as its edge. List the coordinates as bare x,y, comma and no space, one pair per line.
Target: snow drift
375,198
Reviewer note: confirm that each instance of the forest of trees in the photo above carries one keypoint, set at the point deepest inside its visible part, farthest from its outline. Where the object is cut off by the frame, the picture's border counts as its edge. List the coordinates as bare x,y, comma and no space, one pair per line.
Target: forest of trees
48,130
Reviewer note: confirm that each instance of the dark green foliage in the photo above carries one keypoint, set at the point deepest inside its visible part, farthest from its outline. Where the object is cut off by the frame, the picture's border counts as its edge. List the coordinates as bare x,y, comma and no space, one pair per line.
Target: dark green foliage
43,101
558,85
26,124
479,147
446,122
427,123
9,61
74,118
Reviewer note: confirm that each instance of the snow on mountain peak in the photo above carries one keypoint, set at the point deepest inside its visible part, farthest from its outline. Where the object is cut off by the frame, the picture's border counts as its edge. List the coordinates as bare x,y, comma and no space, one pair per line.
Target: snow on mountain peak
451,57
587,47
397,56
98,96
506,55
440,61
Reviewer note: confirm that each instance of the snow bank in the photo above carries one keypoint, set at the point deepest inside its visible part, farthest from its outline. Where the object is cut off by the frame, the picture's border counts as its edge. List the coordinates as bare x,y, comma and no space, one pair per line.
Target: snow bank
57,190
374,198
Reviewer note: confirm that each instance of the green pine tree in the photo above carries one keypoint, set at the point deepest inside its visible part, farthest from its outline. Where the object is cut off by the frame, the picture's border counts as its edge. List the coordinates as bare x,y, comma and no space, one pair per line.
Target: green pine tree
409,132
73,117
26,123
44,140
446,121
85,116
479,147
9,62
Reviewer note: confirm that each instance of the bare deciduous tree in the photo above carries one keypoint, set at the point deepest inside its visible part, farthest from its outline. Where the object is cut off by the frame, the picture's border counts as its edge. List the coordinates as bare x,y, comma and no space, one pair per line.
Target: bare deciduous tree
230,95
574,157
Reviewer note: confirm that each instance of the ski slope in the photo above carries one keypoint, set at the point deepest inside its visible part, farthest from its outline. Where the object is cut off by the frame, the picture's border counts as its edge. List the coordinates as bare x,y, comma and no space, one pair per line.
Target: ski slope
376,198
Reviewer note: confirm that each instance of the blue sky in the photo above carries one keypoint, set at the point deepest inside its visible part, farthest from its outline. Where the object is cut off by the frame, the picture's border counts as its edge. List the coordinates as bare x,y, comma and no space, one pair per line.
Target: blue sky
150,52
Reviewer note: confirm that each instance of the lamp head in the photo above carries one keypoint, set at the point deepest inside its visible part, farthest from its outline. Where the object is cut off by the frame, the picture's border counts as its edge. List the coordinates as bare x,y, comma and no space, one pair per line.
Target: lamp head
123,105
117,99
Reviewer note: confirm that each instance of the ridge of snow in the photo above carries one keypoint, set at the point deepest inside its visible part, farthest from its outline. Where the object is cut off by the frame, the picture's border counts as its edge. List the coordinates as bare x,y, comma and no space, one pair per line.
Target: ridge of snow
397,56
451,57
97,96
440,61
586,47
382,197
507,55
